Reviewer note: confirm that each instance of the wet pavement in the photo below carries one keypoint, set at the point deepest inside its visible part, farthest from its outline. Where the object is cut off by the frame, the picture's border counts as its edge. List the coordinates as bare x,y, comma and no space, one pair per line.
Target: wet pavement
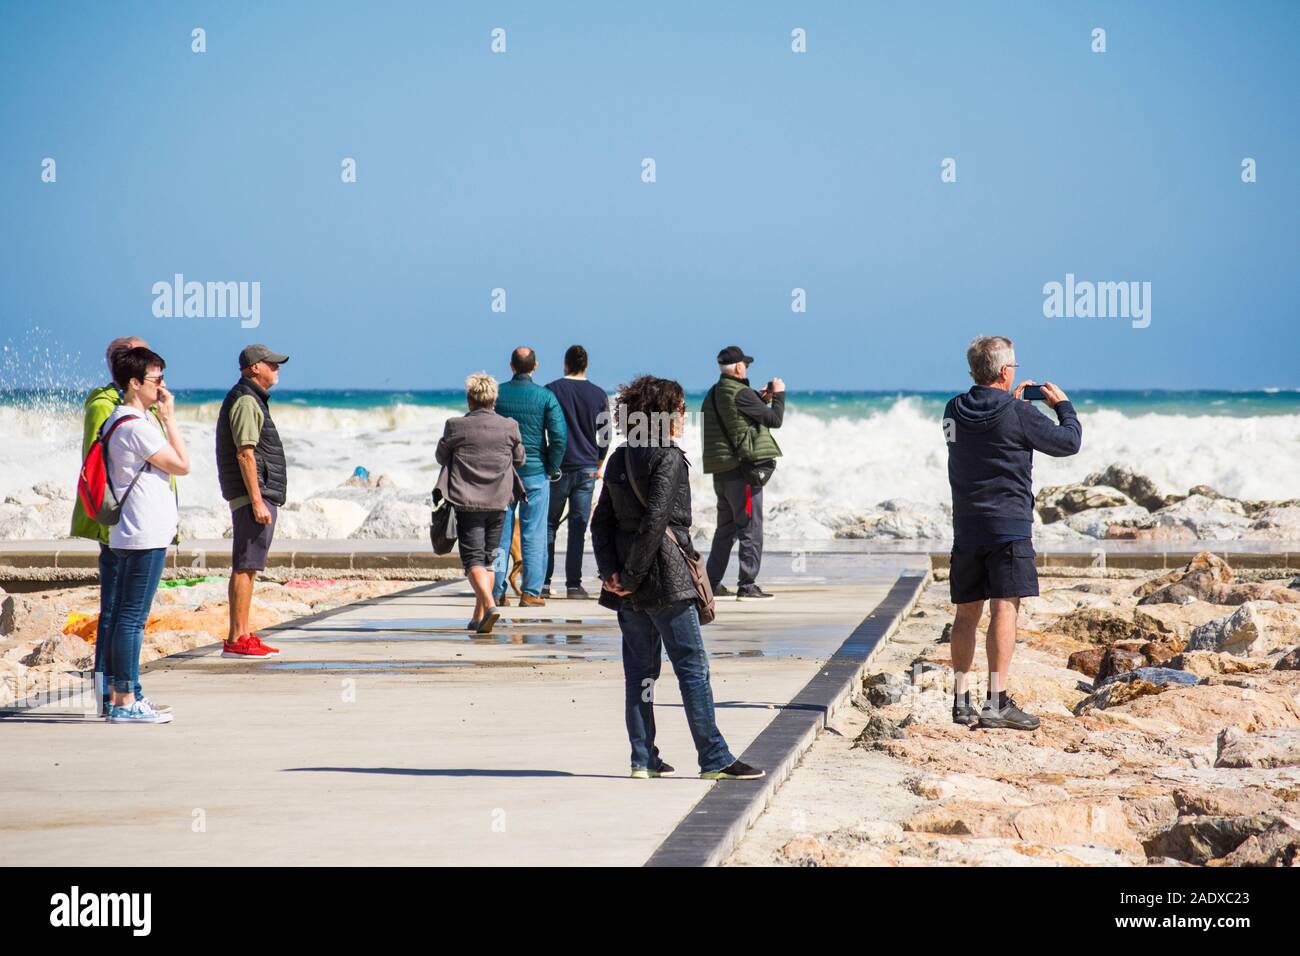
387,733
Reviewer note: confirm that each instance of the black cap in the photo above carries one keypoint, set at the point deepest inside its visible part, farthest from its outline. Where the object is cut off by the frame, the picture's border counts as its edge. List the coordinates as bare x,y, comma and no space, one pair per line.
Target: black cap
733,354
260,353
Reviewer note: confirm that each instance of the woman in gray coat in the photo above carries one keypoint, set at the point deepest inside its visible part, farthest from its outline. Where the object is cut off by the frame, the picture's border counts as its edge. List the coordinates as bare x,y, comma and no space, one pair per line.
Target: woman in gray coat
479,453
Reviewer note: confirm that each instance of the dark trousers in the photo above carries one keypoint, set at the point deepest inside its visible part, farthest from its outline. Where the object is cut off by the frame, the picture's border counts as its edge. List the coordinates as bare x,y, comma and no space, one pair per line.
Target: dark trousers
574,489
740,515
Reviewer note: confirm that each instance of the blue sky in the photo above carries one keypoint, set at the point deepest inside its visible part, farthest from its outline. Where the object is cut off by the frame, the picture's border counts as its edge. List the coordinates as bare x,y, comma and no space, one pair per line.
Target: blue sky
775,170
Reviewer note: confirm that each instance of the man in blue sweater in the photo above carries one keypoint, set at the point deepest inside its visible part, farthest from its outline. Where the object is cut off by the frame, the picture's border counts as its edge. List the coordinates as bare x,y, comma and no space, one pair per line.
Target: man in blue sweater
541,426
586,410
992,436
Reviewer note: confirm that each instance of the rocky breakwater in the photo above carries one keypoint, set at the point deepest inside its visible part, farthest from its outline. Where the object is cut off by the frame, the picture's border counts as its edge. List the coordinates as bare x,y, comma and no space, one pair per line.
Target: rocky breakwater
1122,504
1170,733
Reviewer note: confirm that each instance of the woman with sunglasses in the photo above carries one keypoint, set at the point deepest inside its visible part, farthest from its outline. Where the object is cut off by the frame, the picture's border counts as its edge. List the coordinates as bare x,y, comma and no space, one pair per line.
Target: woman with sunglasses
141,454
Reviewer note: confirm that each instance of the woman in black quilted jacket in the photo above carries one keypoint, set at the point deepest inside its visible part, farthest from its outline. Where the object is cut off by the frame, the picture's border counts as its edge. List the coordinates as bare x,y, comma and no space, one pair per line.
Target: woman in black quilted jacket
646,496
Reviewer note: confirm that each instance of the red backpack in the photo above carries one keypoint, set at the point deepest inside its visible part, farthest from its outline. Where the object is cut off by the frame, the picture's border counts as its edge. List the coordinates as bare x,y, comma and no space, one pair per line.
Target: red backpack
92,483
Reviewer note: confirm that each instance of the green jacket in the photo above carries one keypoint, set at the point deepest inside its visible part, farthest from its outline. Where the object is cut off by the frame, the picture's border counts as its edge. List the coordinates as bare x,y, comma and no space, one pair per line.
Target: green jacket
99,405
541,424
753,439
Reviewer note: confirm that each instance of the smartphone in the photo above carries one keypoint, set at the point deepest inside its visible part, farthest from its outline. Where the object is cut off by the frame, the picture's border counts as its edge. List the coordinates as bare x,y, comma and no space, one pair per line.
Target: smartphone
1033,393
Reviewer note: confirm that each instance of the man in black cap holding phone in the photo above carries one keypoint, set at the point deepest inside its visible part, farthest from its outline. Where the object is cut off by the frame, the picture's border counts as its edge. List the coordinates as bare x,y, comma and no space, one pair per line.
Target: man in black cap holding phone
254,478
740,453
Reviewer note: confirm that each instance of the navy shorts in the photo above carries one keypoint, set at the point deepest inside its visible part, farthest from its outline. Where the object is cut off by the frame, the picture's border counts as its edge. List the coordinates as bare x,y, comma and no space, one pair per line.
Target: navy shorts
252,541
993,571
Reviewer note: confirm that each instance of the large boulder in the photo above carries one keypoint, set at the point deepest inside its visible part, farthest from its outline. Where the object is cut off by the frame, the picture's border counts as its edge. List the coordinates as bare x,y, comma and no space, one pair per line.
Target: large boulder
1225,802
1279,845
1290,661
1088,821
1097,522
1206,561
1276,523
1209,663
1200,839
1175,622
1057,502
1101,626
1212,519
1119,659
1136,486
395,518
1279,747
1254,629
64,651
1165,534
1204,710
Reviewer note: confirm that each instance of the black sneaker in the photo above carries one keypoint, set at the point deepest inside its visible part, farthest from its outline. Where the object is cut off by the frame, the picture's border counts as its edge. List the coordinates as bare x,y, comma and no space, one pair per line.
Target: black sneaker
546,592
964,712
752,592
737,771
1008,716
665,770
577,594
722,591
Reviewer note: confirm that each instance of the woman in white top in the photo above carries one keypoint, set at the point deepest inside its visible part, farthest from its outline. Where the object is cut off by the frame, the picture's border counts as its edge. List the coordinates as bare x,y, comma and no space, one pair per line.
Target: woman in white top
140,457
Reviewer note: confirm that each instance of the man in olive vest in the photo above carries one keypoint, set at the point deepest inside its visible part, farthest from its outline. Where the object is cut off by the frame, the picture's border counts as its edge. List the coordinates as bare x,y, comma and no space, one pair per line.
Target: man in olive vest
253,476
736,421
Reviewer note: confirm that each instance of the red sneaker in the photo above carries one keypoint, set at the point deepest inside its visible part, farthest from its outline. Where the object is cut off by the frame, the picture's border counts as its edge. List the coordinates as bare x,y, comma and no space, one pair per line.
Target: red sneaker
257,641
244,647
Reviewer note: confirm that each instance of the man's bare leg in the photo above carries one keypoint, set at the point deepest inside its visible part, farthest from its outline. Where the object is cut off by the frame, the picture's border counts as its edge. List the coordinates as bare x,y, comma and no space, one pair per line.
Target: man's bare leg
964,626
965,623
240,593
1000,642
999,710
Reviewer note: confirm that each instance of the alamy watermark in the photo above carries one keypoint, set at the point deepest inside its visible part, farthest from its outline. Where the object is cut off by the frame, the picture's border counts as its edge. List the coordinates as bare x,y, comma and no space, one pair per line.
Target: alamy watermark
1075,299
179,299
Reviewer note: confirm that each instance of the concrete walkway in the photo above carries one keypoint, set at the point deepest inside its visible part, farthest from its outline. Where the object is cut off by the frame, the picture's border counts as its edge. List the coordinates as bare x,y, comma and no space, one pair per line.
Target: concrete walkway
383,734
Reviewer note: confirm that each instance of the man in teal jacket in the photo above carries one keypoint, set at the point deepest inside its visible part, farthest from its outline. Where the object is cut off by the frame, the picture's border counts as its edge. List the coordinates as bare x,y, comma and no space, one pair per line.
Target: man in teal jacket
99,405
541,426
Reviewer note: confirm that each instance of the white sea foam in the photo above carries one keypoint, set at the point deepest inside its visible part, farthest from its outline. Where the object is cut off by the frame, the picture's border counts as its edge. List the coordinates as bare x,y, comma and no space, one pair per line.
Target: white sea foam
835,469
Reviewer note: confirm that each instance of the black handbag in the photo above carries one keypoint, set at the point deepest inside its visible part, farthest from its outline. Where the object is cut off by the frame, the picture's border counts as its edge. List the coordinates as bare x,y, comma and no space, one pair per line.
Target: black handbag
756,473
442,524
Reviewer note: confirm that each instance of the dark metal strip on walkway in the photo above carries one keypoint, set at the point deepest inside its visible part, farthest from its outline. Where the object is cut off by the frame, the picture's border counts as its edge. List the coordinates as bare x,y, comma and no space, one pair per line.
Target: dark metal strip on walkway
713,828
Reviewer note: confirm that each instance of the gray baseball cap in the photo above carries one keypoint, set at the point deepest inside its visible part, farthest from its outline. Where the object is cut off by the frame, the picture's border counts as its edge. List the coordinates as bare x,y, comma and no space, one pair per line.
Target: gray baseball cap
260,353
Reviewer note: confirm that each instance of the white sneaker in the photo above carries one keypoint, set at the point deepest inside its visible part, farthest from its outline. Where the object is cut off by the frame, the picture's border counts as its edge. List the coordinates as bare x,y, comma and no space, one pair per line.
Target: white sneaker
137,713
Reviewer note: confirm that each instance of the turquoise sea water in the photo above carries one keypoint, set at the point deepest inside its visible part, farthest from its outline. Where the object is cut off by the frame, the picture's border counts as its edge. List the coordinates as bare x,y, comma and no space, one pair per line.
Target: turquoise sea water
823,404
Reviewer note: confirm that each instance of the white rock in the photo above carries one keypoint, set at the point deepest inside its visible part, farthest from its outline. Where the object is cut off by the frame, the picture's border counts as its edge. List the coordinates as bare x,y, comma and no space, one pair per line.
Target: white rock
54,490
1212,519
1094,523
201,523
329,517
1277,523
394,518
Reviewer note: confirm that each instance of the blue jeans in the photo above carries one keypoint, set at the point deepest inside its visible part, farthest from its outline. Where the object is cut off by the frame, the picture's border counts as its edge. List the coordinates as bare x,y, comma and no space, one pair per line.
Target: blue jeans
574,489
677,628
108,568
138,573
532,537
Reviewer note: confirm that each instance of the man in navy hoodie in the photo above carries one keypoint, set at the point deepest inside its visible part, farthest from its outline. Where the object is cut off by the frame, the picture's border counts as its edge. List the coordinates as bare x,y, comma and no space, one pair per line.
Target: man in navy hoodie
992,436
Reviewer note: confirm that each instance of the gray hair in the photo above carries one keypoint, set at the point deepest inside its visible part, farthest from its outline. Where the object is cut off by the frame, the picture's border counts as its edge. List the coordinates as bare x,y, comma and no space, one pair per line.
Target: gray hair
118,346
987,356
481,390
